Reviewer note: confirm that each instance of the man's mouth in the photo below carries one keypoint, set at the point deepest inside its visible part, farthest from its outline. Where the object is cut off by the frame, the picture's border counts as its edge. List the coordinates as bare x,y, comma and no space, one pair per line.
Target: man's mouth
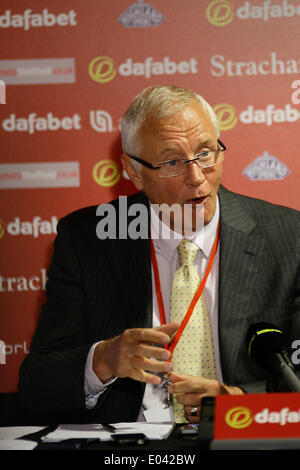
196,200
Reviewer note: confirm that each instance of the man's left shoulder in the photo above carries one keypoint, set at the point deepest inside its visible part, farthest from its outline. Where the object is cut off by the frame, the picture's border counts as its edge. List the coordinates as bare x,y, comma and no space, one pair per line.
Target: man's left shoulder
258,207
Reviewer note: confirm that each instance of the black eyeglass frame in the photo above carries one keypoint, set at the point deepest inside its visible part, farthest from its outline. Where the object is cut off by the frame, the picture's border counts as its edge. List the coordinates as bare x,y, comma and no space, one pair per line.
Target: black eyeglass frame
152,167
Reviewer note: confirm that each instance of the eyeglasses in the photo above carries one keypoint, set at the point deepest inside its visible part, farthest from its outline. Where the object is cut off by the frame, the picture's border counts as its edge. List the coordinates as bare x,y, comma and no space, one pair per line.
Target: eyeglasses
170,168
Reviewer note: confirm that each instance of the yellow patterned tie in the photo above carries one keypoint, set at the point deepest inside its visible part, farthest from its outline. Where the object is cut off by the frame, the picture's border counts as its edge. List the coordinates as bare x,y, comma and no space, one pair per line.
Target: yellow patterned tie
193,354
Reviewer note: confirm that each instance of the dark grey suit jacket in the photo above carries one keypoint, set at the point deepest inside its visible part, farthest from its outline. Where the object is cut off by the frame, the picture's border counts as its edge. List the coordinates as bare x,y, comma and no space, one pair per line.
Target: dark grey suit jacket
98,288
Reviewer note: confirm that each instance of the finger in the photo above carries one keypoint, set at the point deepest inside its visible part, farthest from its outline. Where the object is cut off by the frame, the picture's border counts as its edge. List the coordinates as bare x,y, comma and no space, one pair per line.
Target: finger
180,387
142,376
146,335
189,399
190,384
169,328
191,417
144,350
176,377
151,365
192,411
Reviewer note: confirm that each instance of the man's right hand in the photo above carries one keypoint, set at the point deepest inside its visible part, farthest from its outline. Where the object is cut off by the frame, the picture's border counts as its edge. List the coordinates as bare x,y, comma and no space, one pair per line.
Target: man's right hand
134,354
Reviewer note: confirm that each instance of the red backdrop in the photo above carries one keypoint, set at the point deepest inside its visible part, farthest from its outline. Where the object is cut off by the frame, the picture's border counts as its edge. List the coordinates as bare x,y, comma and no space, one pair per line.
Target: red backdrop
71,68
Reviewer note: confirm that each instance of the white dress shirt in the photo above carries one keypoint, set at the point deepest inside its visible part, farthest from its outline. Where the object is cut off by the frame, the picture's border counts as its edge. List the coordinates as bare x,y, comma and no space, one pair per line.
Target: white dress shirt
167,261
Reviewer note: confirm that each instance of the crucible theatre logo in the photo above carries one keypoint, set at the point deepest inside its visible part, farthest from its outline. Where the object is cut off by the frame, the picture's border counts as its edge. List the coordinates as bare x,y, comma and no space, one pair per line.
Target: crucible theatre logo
266,168
141,15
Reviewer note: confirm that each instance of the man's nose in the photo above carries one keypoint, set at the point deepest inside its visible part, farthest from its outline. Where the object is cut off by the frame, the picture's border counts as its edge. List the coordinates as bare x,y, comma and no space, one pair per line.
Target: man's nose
194,174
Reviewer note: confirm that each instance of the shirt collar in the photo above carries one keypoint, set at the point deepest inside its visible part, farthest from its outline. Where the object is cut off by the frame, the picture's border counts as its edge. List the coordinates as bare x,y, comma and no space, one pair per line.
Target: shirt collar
204,238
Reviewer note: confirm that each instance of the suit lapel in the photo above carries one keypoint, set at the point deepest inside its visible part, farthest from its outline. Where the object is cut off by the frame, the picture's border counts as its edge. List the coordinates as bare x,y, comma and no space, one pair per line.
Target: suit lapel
241,248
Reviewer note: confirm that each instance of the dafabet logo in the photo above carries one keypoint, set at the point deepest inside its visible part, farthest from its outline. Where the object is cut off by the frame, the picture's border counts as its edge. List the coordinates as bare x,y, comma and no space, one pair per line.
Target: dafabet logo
222,13
103,69
219,13
239,417
35,227
227,116
2,229
106,173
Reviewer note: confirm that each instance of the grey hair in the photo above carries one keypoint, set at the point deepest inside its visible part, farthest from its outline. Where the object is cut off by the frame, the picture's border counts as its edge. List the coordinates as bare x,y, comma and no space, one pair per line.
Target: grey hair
157,102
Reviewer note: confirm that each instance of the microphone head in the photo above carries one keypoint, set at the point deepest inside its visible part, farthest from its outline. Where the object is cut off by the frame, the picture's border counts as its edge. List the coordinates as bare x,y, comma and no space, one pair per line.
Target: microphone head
263,339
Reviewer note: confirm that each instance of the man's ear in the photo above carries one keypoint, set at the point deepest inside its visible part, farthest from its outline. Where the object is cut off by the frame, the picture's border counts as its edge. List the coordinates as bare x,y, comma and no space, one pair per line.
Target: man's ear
135,177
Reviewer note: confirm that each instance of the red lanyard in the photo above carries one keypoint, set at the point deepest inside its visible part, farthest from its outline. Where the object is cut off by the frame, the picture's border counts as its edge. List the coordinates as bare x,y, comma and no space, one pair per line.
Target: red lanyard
197,295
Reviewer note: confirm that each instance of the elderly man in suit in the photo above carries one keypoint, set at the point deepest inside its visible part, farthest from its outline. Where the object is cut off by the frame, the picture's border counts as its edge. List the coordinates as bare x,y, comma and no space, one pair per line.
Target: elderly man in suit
108,345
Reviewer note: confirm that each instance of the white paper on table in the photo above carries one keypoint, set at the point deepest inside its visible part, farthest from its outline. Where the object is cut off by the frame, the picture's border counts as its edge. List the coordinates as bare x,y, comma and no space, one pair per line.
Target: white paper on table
17,444
83,431
13,432
159,413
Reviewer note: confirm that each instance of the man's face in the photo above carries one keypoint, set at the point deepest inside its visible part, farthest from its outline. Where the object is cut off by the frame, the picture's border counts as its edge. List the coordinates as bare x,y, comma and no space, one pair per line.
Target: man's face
183,135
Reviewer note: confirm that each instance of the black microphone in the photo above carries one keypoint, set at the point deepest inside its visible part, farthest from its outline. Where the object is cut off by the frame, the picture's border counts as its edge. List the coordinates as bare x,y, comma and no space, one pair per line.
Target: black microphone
266,346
